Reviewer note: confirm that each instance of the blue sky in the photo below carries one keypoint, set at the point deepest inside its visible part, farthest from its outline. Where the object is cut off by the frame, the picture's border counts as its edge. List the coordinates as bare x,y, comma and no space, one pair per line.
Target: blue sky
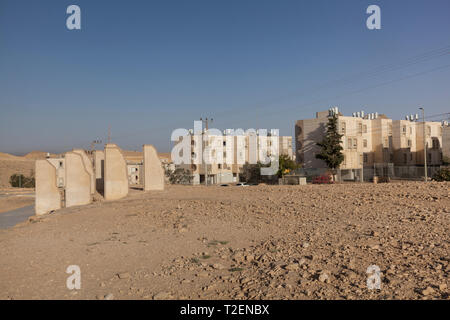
147,67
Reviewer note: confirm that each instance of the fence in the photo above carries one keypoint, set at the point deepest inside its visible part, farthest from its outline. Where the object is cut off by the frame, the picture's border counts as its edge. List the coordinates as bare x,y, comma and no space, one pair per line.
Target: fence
381,170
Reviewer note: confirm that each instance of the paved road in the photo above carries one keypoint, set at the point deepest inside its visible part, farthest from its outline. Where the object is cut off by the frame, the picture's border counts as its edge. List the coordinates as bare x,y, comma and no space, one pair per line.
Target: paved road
13,217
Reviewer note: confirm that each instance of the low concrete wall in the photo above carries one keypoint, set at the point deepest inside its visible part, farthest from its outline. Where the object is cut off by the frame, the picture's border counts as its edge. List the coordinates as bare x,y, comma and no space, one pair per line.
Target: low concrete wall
78,181
116,177
47,193
153,170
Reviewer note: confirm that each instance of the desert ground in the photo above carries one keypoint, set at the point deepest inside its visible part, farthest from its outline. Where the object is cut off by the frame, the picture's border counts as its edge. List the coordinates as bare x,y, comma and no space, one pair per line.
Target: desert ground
258,242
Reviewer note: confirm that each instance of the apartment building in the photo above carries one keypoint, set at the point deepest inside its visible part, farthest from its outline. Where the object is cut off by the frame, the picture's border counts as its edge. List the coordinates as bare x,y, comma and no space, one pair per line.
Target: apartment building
370,139
226,165
446,142
365,140
409,142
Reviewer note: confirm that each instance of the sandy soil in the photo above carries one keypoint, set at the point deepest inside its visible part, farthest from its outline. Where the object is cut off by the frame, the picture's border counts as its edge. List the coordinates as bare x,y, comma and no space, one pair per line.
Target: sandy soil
15,202
269,242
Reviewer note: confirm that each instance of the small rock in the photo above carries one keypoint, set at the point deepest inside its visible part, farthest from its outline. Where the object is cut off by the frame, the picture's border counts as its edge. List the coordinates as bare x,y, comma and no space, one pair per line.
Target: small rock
123,275
249,258
218,266
161,296
292,267
109,296
324,277
428,291
202,274
443,287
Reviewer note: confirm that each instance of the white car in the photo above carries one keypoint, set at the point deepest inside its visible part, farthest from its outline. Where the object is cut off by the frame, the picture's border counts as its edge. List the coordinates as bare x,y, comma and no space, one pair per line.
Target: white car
241,184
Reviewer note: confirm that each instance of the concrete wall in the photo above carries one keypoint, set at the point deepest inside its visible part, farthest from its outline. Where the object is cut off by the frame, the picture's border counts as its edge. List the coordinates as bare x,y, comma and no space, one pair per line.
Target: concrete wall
78,181
89,167
59,164
99,170
153,171
116,177
48,197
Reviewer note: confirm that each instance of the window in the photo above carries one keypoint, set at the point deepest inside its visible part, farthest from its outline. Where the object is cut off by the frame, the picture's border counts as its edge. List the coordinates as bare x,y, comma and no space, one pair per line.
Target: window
409,143
435,143
343,127
219,166
360,128
349,143
365,143
355,143
366,158
365,128
404,130
224,143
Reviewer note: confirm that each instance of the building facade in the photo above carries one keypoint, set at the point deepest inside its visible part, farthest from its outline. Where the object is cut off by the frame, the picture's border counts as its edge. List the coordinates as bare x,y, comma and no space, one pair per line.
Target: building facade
226,163
370,140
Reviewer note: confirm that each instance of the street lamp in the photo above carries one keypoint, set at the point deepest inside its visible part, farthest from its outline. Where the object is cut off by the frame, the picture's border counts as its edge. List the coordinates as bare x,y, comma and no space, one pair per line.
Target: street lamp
424,144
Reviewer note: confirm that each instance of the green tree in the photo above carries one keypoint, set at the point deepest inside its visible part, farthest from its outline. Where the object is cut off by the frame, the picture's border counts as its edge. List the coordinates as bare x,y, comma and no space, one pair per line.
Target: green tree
251,173
179,176
20,181
286,165
331,149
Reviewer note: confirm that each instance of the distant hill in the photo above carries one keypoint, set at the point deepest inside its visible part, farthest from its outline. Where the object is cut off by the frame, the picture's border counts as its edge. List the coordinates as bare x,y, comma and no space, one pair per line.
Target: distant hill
7,156
38,155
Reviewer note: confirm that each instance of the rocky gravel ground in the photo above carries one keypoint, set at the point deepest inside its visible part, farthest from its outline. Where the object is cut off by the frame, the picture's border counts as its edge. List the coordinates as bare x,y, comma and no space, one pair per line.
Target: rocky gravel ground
261,242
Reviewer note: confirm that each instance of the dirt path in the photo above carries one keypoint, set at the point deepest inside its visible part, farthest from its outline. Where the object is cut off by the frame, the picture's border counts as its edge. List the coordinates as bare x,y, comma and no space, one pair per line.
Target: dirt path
8,203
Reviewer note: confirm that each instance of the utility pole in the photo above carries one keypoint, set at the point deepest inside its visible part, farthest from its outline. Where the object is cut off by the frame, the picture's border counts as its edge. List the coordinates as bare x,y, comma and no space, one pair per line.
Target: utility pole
93,143
424,144
203,146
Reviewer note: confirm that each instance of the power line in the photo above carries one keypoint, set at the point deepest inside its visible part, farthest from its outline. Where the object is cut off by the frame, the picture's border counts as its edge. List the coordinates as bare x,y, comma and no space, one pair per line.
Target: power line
426,56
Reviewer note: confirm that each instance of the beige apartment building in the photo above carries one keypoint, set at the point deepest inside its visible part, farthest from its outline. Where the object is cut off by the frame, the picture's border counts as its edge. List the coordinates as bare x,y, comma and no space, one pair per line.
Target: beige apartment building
409,143
237,151
370,140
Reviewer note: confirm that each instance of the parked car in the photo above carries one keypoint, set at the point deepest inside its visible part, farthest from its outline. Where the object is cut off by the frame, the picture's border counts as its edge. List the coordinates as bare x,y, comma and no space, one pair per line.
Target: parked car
241,184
